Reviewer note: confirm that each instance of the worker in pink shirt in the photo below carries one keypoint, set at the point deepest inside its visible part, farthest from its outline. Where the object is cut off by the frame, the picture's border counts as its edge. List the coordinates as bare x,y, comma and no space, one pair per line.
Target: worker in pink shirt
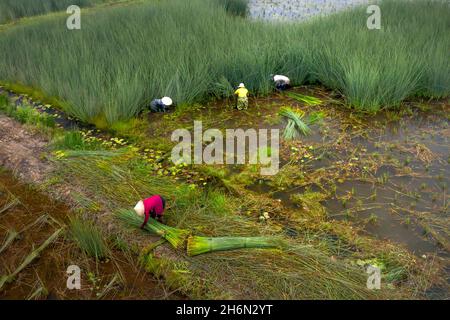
151,207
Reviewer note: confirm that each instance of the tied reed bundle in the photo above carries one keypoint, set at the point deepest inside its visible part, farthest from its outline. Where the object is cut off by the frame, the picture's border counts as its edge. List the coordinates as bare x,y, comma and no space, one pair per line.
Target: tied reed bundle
199,245
176,237
295,125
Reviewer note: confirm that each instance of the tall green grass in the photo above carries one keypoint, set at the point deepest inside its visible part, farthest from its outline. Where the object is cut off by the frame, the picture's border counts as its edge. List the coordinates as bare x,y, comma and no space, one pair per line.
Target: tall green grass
125,56
236,7
376,68
14,9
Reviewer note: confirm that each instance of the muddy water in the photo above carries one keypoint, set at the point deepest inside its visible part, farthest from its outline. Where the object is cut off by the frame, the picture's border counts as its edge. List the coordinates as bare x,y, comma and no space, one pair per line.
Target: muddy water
45,278
399,191
408,201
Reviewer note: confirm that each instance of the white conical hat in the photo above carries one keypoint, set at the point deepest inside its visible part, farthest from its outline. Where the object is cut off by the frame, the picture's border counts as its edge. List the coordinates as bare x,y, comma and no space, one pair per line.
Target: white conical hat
241,85
139,208
167,101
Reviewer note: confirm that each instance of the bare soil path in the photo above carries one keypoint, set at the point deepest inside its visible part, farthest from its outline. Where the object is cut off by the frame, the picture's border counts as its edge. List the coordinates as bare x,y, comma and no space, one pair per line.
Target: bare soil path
21,151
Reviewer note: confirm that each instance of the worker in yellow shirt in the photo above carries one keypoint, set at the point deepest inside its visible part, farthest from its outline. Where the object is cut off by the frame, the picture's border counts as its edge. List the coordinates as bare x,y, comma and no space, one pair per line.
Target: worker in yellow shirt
242,97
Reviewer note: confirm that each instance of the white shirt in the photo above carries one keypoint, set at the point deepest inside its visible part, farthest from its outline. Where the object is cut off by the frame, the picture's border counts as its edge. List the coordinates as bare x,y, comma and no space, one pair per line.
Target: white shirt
279,77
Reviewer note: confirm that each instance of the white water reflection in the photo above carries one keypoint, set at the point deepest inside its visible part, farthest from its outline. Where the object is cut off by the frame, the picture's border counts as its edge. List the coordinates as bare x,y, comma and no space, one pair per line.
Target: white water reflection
299,9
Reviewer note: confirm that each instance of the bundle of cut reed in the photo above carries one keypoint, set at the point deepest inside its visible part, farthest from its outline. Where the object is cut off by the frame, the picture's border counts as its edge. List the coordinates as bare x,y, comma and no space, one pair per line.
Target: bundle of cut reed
199,245
295,125
176,237
308,100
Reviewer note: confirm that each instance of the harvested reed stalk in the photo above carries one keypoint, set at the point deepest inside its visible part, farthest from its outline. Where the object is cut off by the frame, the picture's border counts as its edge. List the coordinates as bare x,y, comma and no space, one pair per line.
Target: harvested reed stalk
38,293
295,125
148,249
29,259
110,286
10,204
308,100
199,245
176,237
55,221
100,154
12,235
41,219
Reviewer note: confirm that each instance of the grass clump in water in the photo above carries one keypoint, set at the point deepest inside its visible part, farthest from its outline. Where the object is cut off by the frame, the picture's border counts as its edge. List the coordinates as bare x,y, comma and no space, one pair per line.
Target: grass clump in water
77,141
3,101
310,202
72,140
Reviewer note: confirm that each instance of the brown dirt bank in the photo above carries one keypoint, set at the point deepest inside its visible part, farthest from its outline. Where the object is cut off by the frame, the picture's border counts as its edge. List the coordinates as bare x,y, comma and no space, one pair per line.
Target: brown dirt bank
21,151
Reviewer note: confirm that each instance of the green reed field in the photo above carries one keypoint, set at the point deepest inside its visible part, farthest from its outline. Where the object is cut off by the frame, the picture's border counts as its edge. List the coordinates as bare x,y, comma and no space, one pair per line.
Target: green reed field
191,50
15,9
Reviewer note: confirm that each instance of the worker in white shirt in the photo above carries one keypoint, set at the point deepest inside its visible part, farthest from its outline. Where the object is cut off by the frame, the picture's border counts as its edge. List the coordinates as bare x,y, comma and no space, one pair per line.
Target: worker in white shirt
281,82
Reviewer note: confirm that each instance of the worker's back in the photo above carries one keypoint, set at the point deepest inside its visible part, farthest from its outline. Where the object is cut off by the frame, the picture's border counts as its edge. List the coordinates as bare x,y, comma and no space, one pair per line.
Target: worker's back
281,78
241,92
281,82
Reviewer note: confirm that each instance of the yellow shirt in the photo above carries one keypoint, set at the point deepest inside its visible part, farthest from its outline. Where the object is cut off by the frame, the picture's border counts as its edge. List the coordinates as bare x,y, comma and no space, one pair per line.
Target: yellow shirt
241,92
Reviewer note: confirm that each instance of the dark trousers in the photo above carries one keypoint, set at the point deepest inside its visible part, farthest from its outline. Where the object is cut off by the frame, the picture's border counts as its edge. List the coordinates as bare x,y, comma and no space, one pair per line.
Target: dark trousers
281,85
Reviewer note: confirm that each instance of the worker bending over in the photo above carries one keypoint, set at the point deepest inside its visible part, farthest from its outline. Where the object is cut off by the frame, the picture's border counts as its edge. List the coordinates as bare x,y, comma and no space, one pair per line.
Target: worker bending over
151,207
161,105
281,82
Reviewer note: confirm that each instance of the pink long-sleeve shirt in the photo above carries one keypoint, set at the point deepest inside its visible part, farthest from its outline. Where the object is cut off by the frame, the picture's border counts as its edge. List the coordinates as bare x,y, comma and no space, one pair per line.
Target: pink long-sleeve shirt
153,207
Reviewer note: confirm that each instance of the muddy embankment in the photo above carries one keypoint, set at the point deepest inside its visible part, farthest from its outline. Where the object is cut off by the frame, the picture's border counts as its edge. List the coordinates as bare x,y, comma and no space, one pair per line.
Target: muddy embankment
20,151
30,219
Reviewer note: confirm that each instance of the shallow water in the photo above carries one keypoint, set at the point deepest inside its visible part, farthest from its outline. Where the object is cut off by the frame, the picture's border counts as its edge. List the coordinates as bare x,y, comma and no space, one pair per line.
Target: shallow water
405,200
274,10
410,196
